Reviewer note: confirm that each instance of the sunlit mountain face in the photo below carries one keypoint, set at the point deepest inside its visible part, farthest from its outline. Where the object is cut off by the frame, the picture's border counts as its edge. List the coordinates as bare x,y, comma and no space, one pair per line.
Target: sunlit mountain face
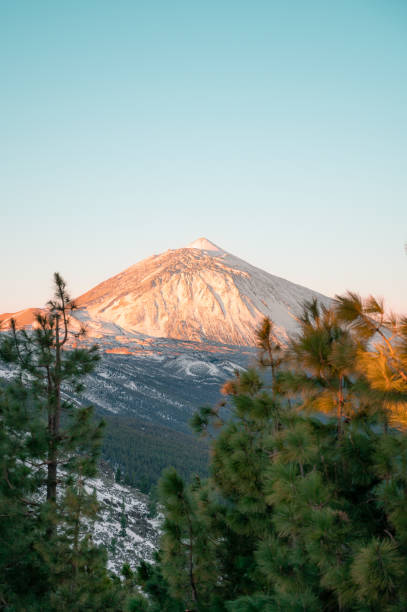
199,293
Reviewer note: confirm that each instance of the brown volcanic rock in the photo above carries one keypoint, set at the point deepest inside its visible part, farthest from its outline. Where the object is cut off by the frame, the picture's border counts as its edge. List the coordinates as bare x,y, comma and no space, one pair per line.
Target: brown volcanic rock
23,318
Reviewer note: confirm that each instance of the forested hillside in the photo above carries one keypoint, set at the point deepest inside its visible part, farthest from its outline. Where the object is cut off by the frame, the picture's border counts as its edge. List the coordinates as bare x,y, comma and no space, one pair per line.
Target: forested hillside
142,450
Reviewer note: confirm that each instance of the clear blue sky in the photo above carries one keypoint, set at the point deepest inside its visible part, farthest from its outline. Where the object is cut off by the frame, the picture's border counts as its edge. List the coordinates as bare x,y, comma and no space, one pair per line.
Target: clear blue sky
277,129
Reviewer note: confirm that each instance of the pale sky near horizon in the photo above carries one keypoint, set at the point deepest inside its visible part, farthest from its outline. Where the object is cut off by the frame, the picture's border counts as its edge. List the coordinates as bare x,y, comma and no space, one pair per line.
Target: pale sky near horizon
278,130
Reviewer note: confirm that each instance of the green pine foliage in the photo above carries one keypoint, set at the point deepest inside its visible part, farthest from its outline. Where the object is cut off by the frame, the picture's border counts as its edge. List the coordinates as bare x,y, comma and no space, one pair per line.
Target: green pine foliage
48,449
305,506
22,439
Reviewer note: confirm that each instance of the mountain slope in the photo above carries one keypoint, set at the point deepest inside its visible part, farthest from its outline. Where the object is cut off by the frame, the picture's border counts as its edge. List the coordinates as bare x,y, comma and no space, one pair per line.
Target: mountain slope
124,526
198,293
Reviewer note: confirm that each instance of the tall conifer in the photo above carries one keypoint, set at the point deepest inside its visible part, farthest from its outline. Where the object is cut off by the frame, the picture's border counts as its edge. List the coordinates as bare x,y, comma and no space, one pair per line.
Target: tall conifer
50,447
305,507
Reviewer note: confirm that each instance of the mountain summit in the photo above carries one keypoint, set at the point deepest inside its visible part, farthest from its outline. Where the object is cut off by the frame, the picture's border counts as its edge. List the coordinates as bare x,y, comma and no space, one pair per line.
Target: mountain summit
204,245
198,293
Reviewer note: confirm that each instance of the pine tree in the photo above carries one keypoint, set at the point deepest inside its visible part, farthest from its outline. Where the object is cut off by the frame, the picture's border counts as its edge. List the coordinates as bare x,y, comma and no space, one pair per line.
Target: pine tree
381,355
159,599
50,447
23,575
321,364
270,349
185,545
305,507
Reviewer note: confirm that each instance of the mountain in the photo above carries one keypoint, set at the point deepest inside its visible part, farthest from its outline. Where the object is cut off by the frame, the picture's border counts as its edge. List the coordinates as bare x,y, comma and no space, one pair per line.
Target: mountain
199,293
23,318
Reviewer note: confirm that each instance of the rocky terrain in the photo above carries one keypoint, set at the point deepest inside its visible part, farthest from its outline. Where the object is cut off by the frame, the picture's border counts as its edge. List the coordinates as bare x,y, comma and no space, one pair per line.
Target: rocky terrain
125,526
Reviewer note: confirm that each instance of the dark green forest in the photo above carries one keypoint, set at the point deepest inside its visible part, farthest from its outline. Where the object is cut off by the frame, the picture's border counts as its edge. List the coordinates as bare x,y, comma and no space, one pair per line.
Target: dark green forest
303,507
142,450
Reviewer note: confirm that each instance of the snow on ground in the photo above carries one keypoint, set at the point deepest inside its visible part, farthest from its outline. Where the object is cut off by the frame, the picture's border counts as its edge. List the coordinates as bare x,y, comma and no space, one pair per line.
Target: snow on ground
125,526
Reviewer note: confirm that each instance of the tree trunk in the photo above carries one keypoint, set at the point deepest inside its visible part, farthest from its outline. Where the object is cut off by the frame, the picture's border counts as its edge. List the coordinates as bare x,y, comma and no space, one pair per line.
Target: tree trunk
52,475
54,416
191,561
340,407
52,466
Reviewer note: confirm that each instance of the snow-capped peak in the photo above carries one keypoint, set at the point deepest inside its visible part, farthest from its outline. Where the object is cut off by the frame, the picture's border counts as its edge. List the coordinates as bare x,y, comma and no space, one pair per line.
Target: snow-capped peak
204,245
197,293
